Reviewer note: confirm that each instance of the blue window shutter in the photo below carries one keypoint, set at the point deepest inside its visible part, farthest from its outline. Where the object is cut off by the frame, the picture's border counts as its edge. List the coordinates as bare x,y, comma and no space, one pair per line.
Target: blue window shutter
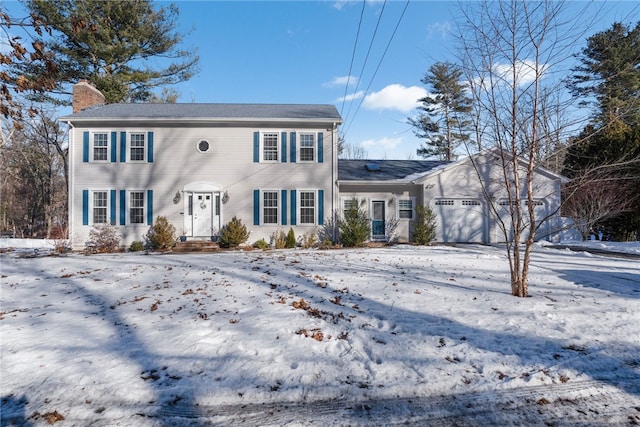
123,207
320,207
85,147
292,144
283,146
320,147
112,207
85,207
283,209
123,147
149,207
256,147
150,147
256,207
294,219
114,147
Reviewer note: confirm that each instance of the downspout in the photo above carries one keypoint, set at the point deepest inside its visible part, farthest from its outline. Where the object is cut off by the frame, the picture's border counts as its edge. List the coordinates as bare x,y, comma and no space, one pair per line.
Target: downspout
334,172
70,198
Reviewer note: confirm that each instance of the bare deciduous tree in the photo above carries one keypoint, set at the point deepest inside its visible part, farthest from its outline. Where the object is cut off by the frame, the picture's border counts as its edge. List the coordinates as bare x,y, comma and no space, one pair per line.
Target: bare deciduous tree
510,51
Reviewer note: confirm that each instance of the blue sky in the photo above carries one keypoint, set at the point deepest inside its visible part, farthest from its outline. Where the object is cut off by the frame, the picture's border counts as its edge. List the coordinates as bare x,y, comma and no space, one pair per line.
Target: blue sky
306,52
303,52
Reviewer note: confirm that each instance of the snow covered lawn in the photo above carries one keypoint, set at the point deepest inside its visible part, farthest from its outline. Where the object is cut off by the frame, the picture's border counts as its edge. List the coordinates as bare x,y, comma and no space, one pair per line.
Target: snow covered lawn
417,335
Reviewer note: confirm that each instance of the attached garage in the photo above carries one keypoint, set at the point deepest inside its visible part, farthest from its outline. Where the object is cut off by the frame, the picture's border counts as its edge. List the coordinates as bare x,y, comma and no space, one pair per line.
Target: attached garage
460,220
468,197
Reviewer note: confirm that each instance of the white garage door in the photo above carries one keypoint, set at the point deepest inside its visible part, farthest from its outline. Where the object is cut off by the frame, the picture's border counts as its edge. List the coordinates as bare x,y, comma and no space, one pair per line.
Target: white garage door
540,212
460,220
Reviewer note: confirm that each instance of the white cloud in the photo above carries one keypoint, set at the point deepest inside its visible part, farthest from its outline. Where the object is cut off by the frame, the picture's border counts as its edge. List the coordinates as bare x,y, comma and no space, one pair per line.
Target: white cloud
341,81
395,97
383,143
358,95
439,28
525,72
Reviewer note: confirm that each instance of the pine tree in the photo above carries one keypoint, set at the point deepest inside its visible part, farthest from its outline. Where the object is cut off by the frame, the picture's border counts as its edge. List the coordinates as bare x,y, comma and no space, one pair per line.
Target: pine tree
125,48
607,151
444,119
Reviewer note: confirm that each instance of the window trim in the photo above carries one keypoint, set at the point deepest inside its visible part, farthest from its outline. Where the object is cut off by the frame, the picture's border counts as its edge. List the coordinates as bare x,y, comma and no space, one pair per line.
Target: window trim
92,146
413,208
313,147
92,207
145,205
343,203
278,146
130,146
278,206
300,207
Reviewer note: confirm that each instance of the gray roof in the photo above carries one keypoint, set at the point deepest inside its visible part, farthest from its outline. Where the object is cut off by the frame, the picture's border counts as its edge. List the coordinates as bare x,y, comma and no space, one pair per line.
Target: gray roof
384,170
313,112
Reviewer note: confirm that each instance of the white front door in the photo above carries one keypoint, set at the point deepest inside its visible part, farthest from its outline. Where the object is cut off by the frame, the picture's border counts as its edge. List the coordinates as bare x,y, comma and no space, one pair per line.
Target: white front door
204,210
202,214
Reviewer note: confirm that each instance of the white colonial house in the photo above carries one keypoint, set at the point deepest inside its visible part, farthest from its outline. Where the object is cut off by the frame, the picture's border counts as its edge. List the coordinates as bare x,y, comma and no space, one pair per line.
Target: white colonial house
273,166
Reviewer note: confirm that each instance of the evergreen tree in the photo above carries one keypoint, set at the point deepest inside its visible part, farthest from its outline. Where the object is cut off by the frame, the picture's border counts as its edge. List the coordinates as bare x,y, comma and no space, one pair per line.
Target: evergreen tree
444,118
608,149
112,43
609,74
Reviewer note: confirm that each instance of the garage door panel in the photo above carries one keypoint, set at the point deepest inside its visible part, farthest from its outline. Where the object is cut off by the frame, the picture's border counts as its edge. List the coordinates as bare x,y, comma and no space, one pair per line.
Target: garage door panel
459,220
540,213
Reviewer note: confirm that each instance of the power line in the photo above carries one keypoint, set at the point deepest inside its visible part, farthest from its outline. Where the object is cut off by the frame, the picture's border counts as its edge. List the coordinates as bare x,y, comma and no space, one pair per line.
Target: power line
379,64
373,37
353,54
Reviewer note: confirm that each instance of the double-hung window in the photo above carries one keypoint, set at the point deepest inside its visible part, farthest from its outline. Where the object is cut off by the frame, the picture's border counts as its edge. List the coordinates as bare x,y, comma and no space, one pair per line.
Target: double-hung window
406,208
307,207
307,147
136,207
100,146
349,204
270,207
270,143
137,146
100,207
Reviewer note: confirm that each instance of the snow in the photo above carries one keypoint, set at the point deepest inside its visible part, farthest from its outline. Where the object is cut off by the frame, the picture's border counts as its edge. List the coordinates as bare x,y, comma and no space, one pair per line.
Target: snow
371,336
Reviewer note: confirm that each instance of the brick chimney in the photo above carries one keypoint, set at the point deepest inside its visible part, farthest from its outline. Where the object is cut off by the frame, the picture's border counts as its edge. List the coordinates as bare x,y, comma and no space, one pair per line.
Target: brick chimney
85,95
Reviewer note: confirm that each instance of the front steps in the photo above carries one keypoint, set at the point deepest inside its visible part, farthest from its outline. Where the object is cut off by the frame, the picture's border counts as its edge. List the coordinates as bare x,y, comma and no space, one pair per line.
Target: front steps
196,246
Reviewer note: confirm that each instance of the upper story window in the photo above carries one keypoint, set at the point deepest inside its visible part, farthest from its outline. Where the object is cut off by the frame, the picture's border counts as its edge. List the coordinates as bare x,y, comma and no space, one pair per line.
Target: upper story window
406,208
100,146
270,144
137,146
307,147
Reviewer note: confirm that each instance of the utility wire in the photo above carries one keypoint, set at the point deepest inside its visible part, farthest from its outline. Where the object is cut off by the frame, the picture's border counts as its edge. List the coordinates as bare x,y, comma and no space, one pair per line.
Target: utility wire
353,54
379,64
373,37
